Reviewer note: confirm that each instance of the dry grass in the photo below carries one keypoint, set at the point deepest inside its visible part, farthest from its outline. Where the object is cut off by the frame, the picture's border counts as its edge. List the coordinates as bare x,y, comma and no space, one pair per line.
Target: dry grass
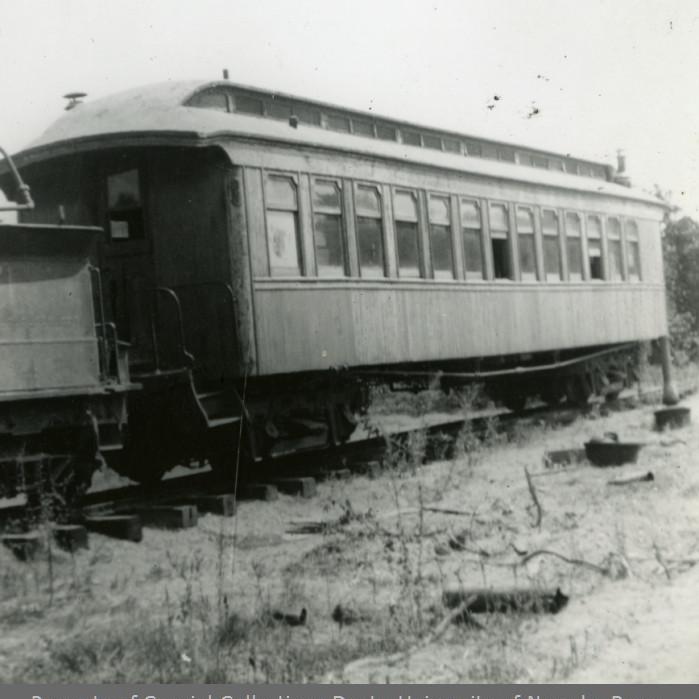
199,605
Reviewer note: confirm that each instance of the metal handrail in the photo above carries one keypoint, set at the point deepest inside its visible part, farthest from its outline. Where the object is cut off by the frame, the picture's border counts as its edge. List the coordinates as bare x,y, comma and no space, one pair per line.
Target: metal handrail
112,348
168,293
101,324
21,187
232,302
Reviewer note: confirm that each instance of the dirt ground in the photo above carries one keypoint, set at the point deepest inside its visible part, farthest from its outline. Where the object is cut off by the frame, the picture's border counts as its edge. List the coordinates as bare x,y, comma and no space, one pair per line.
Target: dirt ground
199,604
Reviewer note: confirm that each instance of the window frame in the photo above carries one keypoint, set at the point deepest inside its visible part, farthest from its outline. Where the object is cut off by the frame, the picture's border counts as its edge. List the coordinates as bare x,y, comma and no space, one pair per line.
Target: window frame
245,96
421,265
584,260
328,116
530,276
588,215
507,237
130,243
450,229
343,225
469,275
411,133
378,188
638,276
620,239
557,235
300,252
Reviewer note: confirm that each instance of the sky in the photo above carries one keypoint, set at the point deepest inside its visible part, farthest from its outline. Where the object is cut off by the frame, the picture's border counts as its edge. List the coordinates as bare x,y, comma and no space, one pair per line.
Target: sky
603,74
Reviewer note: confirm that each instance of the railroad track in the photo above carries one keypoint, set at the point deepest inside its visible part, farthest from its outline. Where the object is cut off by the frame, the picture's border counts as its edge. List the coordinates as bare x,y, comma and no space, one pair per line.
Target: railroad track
122,511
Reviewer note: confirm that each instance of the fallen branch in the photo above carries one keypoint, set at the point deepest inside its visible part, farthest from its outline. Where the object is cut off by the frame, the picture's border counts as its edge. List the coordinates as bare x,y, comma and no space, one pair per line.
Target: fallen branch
636,478
572,561
535,498
671,442
447,511
504,601
461,613
659,558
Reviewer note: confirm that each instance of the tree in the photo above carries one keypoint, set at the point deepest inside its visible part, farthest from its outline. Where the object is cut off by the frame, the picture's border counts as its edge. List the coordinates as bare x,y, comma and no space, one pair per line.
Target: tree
681,260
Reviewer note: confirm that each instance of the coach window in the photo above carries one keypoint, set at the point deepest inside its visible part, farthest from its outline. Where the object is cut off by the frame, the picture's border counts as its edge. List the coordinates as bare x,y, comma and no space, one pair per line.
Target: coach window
451,145
472,235
552,245
594,247
412,138
405,215
574,247
210,99
328,229
430,141
125,206
282,226
474,149
385,132
249,105
555,164
279,110
440,237
616,265
369,231
499,240
363,128
337,122
633,253
526,244
307,115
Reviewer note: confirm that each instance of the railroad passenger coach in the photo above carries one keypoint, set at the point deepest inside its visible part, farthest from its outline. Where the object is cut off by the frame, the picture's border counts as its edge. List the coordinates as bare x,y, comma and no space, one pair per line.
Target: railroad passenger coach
263,244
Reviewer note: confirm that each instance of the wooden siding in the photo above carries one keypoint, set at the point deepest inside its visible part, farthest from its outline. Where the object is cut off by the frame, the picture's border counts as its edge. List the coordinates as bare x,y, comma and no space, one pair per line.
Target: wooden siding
317,325
308,323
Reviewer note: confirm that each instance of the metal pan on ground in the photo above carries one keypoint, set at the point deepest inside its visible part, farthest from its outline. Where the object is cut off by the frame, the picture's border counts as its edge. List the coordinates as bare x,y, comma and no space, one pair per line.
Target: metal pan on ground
673,417
609,453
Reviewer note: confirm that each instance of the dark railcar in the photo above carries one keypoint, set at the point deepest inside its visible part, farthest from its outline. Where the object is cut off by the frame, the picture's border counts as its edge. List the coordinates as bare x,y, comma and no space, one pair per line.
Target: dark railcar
63,374
265,252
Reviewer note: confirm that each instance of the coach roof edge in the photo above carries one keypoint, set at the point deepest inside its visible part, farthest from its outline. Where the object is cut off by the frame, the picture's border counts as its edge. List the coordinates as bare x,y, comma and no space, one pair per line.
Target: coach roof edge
158,110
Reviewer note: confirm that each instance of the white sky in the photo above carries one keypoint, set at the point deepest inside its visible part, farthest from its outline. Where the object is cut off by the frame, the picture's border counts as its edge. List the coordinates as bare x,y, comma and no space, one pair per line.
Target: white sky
604,74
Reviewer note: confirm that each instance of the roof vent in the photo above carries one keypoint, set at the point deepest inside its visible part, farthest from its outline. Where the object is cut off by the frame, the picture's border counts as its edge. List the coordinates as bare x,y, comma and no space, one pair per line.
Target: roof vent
74,99
225,73
621,177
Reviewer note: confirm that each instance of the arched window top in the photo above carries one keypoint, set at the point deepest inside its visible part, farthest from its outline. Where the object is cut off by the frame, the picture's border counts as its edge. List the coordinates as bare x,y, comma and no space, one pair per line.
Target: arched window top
281,192
368,201
525,220
439,209
406,206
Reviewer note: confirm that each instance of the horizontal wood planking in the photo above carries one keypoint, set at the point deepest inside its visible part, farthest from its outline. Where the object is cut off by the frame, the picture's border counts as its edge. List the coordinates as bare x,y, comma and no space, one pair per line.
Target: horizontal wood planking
307,326
320,323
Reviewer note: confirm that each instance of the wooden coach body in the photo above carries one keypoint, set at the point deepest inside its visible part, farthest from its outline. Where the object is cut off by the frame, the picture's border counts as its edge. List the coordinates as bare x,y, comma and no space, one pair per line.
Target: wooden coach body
310,223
